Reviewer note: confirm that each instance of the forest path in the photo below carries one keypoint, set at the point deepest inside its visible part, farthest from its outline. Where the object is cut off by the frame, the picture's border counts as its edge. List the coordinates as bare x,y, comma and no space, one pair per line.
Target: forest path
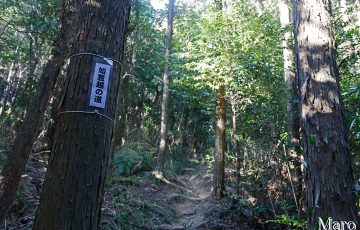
193,205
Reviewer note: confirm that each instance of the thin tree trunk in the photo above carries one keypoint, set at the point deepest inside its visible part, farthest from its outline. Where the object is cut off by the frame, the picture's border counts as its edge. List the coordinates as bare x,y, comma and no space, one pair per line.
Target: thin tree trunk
121,111
329,179
219,173
33,62
164,107
10,79
28,130
24,93
74,184
220,112
122,103
292,98
233,102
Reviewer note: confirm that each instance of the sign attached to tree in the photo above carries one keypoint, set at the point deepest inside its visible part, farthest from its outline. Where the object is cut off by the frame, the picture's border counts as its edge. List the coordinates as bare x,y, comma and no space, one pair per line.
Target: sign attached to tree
100,82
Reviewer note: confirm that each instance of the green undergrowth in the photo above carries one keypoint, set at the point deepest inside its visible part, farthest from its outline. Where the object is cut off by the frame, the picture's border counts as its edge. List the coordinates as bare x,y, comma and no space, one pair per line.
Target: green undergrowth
176,163
136,211
292,221
132,205
262,207
136,198
134,158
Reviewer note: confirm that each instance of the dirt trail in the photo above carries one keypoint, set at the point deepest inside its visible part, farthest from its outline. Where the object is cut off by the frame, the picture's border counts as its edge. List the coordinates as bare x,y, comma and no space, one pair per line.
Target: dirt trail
140,202
194,205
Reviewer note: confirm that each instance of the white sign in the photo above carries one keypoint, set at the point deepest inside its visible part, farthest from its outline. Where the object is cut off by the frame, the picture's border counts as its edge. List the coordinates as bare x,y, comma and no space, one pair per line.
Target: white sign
100,85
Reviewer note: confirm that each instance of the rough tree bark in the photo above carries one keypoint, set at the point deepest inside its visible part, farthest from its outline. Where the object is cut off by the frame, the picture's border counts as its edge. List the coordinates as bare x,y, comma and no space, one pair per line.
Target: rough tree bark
292,97
219,173
28,130
328,178
164,107
74,183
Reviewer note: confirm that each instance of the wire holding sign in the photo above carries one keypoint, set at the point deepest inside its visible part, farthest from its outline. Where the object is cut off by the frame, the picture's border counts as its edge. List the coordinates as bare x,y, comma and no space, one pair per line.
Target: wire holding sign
100,82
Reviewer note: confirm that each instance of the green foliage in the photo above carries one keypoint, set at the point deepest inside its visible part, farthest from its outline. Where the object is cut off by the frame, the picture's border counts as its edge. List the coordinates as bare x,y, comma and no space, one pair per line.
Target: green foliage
29,29
347,31
134,159
239,50
292,221
177,160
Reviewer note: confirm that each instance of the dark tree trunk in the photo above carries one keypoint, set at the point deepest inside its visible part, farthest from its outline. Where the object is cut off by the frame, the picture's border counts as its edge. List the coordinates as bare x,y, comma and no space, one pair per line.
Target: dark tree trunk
164,107
26,91
73,188
329,179
219,173
28,130
292,99
121,111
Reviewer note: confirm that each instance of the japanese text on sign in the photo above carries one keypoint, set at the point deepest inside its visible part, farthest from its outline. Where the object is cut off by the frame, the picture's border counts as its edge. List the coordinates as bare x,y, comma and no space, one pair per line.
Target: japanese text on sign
100,85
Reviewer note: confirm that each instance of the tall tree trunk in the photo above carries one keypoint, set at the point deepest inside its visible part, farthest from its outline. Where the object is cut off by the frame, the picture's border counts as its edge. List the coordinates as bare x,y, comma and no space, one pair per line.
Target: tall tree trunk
73,187
32,64
329,179
126,74
292,98
10,79
121,111
233,102
219,173
28,130
220,112
164,107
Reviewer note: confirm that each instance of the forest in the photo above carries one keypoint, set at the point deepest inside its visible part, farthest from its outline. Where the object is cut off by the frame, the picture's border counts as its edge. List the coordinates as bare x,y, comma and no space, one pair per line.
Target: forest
179,114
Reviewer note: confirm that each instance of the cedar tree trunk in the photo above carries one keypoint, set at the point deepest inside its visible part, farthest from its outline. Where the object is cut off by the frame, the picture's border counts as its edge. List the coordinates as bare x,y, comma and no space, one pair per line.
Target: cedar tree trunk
73,188
164,107
329,180
219,173
292,98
